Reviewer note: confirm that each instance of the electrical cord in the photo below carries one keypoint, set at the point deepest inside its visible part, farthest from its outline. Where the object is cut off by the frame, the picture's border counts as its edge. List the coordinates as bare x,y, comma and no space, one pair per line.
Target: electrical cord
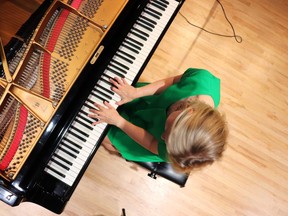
236,37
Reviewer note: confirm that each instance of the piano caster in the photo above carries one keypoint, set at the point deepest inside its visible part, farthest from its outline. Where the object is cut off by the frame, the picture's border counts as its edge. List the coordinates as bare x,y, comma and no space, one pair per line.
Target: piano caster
165,170
152,175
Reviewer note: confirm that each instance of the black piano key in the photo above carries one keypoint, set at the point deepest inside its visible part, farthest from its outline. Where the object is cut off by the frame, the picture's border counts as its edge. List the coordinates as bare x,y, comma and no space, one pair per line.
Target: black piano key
79,131
123,57
70,148
88,106
83,124
154,12
88,120
120,64
98,96
107,76
139,36
146,23
77,136
90,101
102,93
144,26
151,13
127,54
130,48
67,152
138,43
60,164
134,45
160,3
105,89
165,2
116,73
144,34
148,20
72,143
63,159
118,69
106,81
55,171
158,6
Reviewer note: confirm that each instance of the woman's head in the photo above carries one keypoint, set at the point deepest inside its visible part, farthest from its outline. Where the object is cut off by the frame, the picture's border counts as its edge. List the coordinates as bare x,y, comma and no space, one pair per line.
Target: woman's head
197,136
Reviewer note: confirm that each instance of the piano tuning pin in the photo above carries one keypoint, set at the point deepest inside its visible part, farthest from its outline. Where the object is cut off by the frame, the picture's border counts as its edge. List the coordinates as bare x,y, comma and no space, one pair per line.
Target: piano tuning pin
42,124
11,174
54,104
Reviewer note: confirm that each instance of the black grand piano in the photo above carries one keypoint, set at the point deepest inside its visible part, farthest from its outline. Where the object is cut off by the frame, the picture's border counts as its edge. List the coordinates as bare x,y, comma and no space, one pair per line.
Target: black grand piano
52,71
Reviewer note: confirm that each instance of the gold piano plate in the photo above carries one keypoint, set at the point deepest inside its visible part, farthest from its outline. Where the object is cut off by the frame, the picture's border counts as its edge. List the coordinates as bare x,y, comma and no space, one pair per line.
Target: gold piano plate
57,52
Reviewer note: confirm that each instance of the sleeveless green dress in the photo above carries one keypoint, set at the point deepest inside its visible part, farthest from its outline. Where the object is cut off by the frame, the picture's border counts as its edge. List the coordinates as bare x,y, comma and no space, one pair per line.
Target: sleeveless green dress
150,113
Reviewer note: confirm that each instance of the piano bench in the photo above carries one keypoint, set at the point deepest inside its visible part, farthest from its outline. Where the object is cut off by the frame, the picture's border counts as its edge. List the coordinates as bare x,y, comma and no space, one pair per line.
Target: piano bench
164,170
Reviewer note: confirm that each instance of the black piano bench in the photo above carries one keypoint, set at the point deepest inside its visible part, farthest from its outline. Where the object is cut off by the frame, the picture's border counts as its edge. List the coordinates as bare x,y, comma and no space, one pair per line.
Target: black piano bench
164,170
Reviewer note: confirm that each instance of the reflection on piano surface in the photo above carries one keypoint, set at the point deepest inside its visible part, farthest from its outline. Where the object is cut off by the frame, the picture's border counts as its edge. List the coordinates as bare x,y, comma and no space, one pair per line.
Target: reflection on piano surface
62,58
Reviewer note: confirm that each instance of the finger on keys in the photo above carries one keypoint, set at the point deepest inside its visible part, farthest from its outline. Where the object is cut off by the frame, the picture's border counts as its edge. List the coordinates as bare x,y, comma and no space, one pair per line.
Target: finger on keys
114,82
98,121
99,106
93,114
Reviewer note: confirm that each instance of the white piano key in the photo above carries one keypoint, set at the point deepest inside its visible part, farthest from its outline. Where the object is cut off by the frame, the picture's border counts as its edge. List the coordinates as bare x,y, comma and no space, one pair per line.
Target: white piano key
109,73
69,181
72,137
130,52
62,170
76,162
131,66
75,168
71,163
106,89
141,28
111,102
81,156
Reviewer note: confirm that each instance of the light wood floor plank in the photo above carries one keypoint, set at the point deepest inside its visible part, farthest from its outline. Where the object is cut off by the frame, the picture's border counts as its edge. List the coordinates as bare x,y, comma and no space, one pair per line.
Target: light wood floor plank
251,179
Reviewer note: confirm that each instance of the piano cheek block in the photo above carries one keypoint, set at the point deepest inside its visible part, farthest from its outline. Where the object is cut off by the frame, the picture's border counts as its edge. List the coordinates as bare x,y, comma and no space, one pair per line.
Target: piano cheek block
9,197
166,171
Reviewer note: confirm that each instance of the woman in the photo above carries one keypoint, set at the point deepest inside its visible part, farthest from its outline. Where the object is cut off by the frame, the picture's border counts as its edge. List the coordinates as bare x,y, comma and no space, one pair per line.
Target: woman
173,119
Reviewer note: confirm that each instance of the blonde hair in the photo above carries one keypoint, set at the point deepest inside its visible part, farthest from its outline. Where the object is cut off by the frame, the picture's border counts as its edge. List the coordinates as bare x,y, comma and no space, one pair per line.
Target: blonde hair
198,136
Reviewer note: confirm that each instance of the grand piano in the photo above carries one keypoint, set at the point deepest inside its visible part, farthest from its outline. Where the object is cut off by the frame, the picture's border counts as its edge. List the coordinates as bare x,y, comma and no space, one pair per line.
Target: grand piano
53,70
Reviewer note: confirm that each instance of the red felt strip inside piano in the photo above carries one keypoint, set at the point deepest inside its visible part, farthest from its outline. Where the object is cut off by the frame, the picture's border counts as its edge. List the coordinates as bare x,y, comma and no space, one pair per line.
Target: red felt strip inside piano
16,140
51,45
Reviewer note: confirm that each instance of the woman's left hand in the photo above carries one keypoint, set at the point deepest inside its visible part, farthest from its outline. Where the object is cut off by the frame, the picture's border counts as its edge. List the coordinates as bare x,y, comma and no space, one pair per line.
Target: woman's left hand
105,113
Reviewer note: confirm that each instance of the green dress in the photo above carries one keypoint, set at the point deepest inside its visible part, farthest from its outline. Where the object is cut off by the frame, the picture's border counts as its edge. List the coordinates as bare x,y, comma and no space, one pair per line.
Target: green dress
150,113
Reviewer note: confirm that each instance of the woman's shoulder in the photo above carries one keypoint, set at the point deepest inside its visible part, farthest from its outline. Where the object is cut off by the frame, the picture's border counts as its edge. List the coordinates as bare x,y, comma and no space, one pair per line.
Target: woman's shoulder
197,73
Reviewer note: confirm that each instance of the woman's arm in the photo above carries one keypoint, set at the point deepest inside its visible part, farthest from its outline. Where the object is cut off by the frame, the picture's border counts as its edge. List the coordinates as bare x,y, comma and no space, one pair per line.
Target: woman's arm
157,87
128,93
110,115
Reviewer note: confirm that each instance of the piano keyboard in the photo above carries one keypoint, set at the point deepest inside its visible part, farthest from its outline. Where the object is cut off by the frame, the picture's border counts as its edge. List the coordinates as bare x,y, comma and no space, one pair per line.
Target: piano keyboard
81,138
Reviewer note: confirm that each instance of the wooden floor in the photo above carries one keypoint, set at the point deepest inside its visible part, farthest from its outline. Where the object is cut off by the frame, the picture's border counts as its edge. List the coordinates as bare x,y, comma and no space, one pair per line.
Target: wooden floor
252,178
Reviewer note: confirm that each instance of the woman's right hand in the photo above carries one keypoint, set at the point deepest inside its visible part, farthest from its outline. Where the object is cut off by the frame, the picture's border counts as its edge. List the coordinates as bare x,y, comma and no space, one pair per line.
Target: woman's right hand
124,90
